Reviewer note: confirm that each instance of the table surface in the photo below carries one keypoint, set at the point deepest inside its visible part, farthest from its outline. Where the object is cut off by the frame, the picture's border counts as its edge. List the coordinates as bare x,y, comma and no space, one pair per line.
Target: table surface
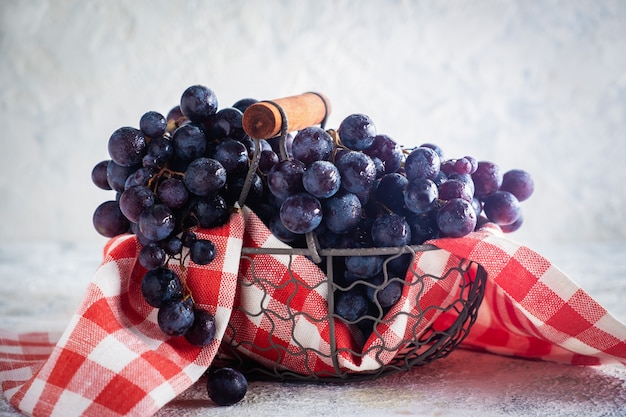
47,280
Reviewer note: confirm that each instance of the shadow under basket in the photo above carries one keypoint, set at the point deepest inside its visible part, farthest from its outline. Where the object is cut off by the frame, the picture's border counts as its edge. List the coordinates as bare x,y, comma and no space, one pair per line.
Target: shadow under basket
427,330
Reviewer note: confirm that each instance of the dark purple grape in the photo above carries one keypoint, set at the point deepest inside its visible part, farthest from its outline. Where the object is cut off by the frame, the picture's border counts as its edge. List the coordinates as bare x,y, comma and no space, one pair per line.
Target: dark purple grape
312,144
152,256
244,103
465,178
226,386
301,213
175,317
135,200
421,195
456,218
390,191
385,294
391,230
473,163
352,304
463,166
210,212
454,188
357,132
501,207
175,114
233,156
364,266
435,148
153,124
202,251
173,193
423,227
188,237
189,142
198,103
519,183
99,175
117,175
161,285
321,179
108,219
127,146
202,331
387,151
422,163
341,212
160,151
205,176
279,230
267,160
226,123
357,171
285,178
510,228
172,245
156,222
141,176
487,179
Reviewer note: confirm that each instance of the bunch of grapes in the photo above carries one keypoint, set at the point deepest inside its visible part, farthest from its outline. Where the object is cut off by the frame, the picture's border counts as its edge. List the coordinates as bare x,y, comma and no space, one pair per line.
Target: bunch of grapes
349,188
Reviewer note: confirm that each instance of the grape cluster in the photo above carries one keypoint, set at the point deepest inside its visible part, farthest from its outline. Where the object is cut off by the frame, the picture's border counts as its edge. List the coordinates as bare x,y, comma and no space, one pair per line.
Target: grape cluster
348,188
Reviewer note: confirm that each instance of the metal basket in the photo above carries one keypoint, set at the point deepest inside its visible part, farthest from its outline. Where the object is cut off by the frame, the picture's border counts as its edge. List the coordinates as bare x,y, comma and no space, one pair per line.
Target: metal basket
418,348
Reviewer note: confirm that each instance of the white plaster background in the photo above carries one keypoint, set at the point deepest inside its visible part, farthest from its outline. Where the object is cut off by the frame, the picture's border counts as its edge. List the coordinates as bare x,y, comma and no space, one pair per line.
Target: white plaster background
538,85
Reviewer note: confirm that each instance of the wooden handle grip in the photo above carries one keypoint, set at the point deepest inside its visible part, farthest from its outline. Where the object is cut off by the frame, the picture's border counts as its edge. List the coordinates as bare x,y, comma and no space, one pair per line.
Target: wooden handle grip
263,120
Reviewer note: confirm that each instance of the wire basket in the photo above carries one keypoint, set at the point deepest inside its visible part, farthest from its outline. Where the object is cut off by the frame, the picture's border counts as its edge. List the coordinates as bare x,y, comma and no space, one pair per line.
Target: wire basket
423,341
416,348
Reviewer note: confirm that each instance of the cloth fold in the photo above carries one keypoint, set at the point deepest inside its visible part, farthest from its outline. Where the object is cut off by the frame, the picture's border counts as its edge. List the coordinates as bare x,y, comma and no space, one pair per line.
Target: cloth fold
112,360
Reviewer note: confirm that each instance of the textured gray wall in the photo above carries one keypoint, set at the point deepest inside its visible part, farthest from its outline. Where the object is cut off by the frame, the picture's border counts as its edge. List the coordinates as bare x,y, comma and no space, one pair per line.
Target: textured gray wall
538,85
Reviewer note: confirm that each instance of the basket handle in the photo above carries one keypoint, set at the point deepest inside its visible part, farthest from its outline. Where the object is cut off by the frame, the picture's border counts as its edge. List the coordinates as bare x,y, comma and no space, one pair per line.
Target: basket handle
263,120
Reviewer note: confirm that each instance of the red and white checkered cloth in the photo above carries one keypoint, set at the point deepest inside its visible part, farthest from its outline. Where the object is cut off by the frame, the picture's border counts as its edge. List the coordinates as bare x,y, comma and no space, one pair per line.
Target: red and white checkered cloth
113,360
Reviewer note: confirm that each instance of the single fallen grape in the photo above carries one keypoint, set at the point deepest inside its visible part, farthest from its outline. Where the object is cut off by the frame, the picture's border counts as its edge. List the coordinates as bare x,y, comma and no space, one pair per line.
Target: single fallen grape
226,386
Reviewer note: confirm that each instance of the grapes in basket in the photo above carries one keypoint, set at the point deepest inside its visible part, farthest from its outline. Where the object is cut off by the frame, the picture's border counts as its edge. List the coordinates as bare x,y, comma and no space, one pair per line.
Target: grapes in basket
350,187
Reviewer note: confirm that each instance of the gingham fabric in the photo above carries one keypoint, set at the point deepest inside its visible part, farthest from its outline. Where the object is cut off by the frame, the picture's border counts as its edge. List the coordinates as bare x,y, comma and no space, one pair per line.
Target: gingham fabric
113,360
